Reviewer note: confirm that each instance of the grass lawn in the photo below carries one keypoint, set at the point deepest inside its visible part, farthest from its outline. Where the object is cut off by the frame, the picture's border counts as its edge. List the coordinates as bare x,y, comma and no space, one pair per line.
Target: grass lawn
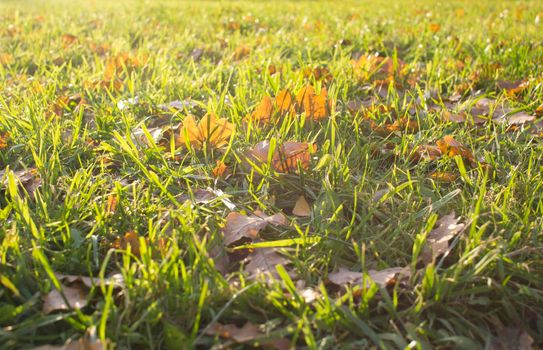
282,175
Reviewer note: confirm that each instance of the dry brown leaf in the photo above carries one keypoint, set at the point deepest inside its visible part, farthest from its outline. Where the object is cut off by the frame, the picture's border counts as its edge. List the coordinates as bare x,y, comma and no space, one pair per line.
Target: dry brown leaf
79,344
239,226
209,130
512,338
76,296
28,178
316,107
116,280
241,52
68,40
513,87
286,157
248,333
437,242
301,208
262,262
426,152
515,118
382,278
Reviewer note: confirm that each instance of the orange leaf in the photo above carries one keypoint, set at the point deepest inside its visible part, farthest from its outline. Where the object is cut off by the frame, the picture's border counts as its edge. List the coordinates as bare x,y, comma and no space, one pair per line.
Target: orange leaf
316,107
434,27
443,176
210,129
4,139
449,146
220,169
130,239
263,112
286,157
284,102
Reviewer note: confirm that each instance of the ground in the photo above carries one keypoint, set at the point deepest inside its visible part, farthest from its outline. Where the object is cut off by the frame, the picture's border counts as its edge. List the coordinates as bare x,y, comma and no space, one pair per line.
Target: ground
320,175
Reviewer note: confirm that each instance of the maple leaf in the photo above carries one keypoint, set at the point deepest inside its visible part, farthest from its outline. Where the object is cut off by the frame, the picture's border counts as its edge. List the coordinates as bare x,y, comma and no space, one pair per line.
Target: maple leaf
437,241
316,107
286,156
209,130
239,226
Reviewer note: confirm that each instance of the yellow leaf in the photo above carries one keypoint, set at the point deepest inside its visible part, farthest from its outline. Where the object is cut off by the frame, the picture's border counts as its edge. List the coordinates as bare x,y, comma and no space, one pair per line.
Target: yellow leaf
301,208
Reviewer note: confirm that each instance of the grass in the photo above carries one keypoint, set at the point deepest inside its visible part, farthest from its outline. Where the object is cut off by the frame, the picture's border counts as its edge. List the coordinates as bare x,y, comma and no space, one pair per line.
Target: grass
87,158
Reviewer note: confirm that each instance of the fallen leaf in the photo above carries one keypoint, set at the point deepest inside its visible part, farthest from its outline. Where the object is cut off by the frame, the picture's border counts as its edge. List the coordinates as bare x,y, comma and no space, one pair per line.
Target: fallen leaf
239,226
434,27
284,102
437,241
286,156
301,208
79,344
426,152
513,87
382,278
263,112
262,262
241,52
449,146
443,176
316,107
129,239
220,169
4,140
76,296
512,338
68,40
116,280
209,130
515,119
28,178
248,333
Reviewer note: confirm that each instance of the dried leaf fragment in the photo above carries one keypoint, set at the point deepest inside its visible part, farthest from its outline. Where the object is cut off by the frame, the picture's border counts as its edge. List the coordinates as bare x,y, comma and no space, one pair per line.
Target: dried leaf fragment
249,332
301,208
262,262
382,278
76,298
437,242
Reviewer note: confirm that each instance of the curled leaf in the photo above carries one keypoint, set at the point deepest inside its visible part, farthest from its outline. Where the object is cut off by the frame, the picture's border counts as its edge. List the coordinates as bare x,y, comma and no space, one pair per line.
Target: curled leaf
316,107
